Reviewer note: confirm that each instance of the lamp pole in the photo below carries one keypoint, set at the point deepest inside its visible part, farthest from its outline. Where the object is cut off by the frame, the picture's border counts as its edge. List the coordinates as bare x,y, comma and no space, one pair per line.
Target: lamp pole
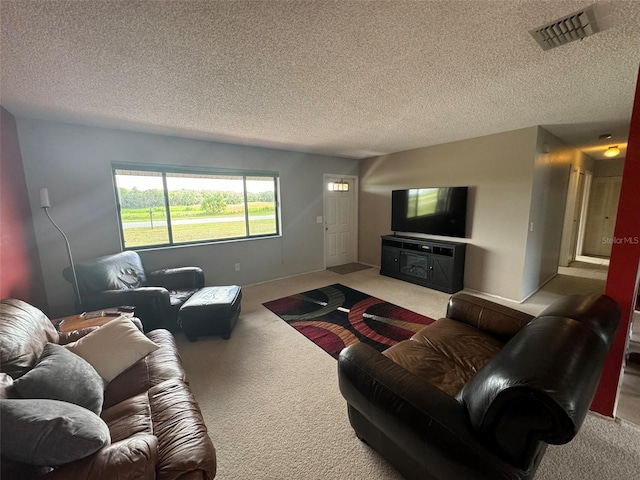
46,205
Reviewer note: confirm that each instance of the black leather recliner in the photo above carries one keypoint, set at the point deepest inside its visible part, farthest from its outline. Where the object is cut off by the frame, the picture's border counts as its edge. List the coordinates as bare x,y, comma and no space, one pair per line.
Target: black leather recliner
534,391
121,279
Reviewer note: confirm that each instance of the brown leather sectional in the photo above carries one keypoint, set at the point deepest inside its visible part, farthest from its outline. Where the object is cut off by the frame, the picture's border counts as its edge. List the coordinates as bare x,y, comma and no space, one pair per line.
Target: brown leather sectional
480,394
156,427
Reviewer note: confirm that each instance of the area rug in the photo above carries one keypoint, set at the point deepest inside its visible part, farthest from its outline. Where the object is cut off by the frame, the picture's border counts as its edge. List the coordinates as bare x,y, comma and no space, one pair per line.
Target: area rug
337,316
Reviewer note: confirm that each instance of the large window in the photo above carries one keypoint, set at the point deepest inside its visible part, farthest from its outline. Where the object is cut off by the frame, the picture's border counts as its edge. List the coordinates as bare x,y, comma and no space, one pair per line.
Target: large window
166,206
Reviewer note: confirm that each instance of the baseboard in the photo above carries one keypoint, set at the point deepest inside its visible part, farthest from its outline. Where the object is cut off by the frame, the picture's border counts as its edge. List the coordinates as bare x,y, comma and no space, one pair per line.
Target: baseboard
283,278
479,292
539,287
369,264
303,273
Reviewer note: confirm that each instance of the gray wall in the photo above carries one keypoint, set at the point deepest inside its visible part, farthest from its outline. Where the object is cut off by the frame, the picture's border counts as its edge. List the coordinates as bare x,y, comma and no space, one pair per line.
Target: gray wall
74,163
608,168
499,169
517,178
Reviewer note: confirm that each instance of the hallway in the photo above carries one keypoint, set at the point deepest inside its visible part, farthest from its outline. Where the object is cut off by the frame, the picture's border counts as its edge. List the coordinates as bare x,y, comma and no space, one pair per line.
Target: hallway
585,277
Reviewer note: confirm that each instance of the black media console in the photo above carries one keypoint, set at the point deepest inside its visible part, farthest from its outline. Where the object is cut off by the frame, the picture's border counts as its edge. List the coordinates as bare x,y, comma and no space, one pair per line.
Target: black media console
435,264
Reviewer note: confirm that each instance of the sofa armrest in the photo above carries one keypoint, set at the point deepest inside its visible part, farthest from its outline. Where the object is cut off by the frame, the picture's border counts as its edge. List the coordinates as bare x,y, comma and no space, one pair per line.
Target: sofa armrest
498,320
7,390
538,388
415,415
157,296
600,312
182,278
134,458
152,304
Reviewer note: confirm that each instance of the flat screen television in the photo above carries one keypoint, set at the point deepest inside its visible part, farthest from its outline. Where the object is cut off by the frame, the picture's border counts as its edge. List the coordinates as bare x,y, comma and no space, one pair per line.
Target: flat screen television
434,211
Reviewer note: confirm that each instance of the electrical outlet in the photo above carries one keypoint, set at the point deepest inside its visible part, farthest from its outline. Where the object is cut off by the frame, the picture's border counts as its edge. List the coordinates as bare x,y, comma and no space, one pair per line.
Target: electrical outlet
237,267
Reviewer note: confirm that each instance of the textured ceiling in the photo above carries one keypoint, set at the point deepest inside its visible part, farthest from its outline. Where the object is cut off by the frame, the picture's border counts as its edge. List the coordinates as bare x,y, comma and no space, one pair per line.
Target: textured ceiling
348,78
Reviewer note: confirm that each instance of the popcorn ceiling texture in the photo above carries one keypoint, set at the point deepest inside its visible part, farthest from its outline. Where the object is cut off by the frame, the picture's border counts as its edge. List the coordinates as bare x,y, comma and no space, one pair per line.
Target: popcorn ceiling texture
349,78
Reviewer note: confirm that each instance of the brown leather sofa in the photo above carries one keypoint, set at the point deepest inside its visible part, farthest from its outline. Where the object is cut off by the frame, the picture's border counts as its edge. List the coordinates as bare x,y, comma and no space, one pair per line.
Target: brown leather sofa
155,424
121,279
481,393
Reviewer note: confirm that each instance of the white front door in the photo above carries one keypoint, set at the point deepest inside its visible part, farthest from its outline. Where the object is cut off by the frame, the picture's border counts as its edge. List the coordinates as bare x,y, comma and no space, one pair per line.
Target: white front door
340,220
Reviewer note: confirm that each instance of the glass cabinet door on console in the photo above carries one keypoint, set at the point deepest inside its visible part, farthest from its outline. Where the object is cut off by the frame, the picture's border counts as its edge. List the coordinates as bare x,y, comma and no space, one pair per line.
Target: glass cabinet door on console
416,265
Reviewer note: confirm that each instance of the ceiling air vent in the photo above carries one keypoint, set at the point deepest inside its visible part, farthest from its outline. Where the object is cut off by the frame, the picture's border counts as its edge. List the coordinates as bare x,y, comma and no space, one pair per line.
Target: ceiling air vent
572,27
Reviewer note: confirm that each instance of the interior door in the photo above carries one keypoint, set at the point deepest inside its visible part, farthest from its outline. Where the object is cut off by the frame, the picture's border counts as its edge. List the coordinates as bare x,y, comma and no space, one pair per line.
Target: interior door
340,220
577,213
567,247
601,218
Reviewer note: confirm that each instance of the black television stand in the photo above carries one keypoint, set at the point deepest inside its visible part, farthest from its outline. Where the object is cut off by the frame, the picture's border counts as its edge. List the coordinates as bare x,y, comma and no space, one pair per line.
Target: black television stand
436,264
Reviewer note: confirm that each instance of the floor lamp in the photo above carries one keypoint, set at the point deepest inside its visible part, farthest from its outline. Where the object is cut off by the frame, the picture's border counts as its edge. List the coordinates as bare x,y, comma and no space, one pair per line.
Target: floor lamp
46,205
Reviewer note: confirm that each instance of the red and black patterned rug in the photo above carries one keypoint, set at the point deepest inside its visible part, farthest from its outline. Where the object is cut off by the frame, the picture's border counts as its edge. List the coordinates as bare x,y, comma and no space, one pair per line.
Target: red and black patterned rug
336,316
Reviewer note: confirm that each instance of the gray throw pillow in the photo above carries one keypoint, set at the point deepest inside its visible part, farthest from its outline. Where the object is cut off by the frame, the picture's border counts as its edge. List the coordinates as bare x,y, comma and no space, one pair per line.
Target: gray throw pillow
62,375
49,432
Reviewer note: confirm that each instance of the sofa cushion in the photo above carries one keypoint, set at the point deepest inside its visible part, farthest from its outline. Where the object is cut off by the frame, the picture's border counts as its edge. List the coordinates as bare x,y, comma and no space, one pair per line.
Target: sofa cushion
114,347
178,297
129,417
446,354
160,365
25,331
49,432
63,375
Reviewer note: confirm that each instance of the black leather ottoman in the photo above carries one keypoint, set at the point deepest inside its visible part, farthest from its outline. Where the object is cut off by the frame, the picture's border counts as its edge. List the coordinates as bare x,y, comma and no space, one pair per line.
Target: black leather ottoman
211,311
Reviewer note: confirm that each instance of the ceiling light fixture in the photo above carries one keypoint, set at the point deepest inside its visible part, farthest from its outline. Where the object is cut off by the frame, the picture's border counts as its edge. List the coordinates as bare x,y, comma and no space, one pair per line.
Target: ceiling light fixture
612,152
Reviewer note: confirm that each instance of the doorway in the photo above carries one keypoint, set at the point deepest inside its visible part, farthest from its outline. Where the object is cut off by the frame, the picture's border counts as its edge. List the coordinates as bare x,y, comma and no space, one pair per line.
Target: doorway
340,219
572,219
601,217
590,217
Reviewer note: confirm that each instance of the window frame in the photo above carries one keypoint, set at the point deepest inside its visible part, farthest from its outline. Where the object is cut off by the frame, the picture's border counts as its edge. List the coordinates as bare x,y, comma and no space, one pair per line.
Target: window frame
163,170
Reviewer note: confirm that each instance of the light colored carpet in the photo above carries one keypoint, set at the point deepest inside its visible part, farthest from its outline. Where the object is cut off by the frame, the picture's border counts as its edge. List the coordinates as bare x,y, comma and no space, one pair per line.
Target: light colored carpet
271,401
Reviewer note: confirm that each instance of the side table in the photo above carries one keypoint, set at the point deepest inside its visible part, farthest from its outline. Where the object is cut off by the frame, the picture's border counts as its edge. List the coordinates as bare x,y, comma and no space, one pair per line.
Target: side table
88,319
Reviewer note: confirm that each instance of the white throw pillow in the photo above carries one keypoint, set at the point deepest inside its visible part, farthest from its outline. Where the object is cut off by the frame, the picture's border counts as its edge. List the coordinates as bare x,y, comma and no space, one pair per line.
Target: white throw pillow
114,347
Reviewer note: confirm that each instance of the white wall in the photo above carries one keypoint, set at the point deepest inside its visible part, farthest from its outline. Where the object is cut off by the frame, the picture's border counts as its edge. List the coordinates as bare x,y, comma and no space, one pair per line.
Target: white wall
553,160
499,169
74,163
